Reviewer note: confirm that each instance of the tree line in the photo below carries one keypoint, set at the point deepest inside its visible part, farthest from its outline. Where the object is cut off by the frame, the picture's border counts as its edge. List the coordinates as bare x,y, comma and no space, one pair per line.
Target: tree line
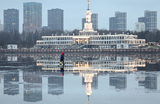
28,40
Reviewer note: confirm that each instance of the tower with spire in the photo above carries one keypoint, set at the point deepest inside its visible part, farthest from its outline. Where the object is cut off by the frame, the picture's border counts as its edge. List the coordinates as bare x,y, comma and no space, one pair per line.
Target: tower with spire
88,29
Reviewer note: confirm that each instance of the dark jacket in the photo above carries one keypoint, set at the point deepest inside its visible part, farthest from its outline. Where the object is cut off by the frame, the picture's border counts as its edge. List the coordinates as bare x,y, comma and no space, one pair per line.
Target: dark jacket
62,57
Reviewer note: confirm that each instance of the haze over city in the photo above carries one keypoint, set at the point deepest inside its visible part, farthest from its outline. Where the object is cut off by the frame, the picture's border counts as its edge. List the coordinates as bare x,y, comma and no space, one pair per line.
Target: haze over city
74,11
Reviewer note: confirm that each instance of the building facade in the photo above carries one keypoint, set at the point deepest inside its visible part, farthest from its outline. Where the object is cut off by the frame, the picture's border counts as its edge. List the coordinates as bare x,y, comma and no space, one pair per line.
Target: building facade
150,20
112,23
142,19
45,28
11,20
32,17
94,20
119,22
55,19
139,26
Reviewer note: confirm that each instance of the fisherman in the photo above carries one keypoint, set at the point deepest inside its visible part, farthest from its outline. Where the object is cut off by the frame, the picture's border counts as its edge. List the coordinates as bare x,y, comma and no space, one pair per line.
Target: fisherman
61,63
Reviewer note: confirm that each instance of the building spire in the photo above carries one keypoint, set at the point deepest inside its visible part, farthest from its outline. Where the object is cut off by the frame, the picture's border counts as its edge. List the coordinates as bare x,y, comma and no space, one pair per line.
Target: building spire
88,4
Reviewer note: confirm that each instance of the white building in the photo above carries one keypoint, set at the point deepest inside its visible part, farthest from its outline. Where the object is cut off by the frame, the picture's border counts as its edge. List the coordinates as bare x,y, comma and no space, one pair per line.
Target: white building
139,26
12,46
88,38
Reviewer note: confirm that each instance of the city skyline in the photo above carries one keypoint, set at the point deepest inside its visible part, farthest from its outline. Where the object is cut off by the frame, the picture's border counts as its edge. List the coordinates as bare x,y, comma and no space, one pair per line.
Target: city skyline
133,12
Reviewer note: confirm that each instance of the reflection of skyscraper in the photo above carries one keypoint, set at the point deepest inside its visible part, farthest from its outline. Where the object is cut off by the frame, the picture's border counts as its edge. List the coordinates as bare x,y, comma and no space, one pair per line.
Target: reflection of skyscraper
119,81
150,82
33,88
55,84
11,83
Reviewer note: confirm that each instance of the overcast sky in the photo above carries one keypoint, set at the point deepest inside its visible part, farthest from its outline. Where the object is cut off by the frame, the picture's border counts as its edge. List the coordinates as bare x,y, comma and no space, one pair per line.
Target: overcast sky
74,10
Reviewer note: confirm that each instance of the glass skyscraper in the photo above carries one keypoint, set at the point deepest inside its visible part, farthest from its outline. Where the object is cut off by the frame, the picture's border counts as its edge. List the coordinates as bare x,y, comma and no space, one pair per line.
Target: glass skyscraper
94,20
119,22
112,23
11,20
32,17
83,21
150,20
55,19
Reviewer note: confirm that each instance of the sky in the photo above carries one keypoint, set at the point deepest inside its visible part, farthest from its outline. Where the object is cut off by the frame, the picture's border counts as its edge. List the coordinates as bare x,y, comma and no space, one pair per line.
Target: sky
74,11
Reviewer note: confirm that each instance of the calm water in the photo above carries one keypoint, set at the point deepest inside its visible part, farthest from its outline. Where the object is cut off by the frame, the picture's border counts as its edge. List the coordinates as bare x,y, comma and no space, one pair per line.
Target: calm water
111,79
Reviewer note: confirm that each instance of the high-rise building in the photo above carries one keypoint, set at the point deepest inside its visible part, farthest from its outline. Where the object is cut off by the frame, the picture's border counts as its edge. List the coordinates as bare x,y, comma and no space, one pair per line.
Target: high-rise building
1,26
142,19
83,21
150,20
112,23
55,19
44,28
139,26
119,22
11,20
94,20
32,17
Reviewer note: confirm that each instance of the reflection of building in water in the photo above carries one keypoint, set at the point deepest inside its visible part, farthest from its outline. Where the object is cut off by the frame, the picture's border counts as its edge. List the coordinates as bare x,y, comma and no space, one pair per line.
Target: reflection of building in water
149,81
88,79
119,81
96,63
12,58
94,82
55,84
11,83
33,88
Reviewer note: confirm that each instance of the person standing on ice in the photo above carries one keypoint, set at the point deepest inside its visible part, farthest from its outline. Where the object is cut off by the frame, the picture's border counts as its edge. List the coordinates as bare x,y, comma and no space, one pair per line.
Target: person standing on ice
62,57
